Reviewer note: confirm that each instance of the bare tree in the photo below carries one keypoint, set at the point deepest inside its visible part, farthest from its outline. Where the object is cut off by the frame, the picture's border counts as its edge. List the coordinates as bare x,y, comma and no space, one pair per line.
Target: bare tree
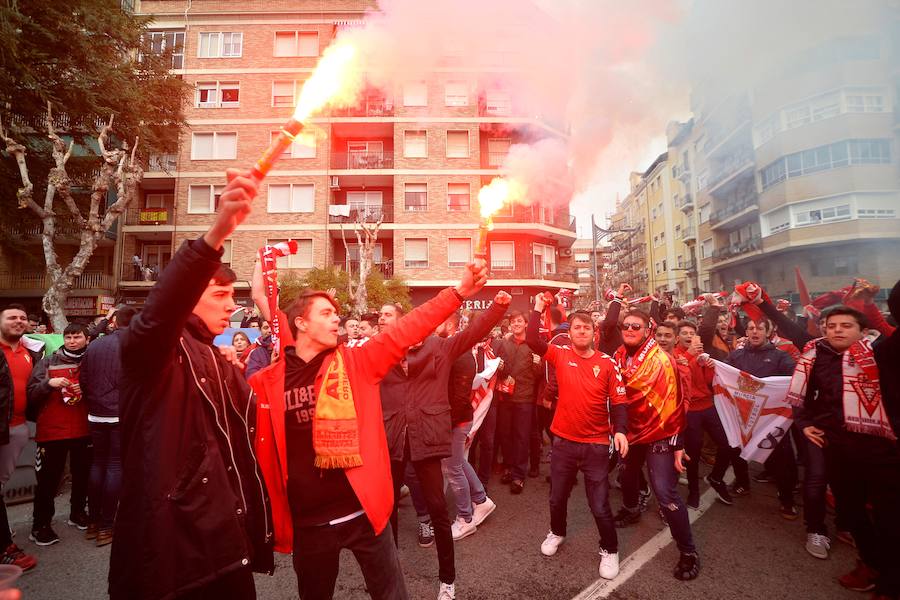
366,238
119,169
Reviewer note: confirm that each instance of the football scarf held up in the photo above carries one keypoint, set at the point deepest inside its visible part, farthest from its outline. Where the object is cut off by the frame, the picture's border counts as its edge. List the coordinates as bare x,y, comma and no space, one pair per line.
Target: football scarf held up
335,429
864,411
655,411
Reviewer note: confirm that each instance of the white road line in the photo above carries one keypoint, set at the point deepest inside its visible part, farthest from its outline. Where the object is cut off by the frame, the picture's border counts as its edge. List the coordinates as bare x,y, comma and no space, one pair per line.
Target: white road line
602,588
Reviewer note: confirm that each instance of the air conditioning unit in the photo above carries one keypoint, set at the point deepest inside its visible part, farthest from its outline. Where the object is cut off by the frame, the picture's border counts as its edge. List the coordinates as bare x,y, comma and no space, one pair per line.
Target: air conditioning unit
335,184
564,252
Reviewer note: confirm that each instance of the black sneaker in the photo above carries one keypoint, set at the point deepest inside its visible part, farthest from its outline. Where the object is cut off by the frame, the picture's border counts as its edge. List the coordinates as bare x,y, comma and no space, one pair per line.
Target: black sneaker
425,534
688,567
79,520
626,517
740,489
506,478
44,536
721,490
762,477
643,499
693,500
517,486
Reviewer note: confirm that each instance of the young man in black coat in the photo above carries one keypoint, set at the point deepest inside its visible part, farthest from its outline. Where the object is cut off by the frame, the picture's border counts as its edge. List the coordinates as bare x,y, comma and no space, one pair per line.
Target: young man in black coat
193,519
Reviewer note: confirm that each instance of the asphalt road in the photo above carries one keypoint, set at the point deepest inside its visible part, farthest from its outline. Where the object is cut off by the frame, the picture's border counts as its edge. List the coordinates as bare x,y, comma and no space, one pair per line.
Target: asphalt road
747,551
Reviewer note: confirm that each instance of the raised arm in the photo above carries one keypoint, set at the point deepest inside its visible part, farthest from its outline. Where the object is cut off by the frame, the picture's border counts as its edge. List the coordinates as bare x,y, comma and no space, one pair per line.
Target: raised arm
789,329
533,331
480,326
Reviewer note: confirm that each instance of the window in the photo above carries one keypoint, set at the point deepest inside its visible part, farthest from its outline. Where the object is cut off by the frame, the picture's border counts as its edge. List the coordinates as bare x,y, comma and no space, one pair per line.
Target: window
304,146
203,199
303,259
582,257
415,144
458,196
459,252
838,154
457,144
292,198
296,43
704,212
503,256
865,103
416,253
706,249
544,259
497,151
497,102
415,93
869,152
664,265
220,44
416,196
283,93
702,180
876,213
226,253
164,41
367,204
795,117
779,220
456,93
214,146
217,94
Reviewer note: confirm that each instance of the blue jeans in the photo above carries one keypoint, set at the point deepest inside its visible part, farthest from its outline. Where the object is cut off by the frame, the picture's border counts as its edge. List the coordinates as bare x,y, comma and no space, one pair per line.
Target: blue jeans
466,486
514,429
105,482
566,459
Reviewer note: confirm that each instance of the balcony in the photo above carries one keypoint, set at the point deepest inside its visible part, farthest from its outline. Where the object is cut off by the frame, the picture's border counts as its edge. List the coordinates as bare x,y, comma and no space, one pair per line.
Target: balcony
683,173
362,160
162,163
743,207
537,214
689,265
689,234
370,107
686,203
524,270
386,267
495,160
751,245
149,216
40,281
360,214
729,169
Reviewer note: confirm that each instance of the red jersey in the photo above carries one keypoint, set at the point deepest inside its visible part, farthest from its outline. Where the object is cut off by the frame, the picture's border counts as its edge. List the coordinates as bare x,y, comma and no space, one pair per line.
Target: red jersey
20,365
590,391
701,396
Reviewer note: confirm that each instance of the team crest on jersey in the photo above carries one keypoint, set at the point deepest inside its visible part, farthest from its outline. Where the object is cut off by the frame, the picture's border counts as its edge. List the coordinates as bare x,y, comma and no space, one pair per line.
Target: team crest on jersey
596,371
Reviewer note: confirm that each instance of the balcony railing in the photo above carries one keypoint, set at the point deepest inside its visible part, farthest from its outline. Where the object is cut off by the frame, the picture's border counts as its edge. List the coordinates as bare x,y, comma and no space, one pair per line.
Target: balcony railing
750,245
365,214
686,203
362,160
386,267
40,280
732,209
688,233
496,159
167,163
689,265
132,273
535,214
732,165
149,216
510,270
369,108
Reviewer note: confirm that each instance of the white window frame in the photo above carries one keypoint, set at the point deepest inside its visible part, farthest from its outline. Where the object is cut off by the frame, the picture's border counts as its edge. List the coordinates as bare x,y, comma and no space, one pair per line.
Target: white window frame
214,192
297,35
503,244
294,206
468,151
220,44
406,135
468,187
217,87
451,263
406,260
217,155
297,149
545,251
177,57
416,207
490,161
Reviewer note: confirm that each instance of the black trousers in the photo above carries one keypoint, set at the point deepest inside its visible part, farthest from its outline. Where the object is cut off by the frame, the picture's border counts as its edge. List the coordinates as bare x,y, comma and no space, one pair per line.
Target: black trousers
431,481
49,465
237,585
317,552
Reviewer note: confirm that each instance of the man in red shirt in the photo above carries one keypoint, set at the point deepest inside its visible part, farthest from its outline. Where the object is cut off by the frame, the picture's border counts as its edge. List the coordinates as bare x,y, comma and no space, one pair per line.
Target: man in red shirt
591,393
702,416
16,363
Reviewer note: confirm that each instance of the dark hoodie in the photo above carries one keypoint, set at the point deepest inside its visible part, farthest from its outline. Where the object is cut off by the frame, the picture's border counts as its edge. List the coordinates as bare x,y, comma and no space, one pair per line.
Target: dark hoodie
887,355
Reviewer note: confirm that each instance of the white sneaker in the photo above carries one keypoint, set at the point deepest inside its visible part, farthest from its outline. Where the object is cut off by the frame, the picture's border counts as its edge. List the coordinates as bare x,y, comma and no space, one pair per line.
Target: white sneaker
551,544
461,528
609,564
481,511
404,491
818,545
447,591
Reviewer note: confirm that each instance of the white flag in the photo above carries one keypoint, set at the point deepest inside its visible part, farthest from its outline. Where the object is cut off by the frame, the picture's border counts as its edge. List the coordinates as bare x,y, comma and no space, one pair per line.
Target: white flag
482,394
753,410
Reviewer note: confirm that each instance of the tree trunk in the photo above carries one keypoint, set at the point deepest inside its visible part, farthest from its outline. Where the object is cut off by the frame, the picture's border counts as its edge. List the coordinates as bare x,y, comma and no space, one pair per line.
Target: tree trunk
54,304
367,236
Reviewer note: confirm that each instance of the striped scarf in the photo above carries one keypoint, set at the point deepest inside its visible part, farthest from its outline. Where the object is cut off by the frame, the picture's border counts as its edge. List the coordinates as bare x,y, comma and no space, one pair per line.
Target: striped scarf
864,412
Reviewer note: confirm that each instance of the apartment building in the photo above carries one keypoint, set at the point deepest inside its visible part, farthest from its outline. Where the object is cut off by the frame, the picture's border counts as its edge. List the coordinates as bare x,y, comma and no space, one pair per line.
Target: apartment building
593,264
413,157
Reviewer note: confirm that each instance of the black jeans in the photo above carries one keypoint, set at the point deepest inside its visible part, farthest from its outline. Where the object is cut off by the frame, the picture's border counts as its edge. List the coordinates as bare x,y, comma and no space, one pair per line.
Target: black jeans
866,469
106,473
697,422
49,464
782,464
483,444
514,422
237,585
541,421
317,551
431,482
566,460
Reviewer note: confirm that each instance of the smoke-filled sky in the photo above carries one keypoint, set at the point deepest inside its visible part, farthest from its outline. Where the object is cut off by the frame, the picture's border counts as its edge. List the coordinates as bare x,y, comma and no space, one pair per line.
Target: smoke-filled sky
610,73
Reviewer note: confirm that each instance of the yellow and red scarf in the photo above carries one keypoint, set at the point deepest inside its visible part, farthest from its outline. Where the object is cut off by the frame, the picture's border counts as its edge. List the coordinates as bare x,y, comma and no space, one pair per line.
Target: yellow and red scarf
336,429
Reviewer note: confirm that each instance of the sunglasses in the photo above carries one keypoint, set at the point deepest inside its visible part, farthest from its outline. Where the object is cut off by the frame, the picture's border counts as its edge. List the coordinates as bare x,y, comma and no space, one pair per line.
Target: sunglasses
631,326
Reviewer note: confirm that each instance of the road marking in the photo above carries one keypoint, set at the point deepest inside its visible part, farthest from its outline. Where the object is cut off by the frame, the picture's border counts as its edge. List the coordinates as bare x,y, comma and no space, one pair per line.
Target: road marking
602,588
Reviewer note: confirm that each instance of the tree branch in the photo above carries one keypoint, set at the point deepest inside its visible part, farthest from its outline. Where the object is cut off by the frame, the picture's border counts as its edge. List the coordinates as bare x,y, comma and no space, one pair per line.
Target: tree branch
25,194
58,178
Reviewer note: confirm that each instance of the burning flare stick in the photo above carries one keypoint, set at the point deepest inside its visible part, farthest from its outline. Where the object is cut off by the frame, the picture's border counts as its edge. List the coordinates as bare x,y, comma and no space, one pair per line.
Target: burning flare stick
491,199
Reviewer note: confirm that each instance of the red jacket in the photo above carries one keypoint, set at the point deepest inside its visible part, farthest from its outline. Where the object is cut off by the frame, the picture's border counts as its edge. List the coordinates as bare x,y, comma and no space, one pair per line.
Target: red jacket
701,396
366,365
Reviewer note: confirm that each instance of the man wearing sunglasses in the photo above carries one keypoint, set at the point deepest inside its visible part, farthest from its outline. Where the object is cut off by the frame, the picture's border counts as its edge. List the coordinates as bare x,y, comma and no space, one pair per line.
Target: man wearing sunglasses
656,420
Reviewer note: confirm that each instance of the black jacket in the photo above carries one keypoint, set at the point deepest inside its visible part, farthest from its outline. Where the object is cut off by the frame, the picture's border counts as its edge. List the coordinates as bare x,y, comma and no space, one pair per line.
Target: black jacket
193,506
416,404
518,364
459,388
101,375
6,394
887,355
764,361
